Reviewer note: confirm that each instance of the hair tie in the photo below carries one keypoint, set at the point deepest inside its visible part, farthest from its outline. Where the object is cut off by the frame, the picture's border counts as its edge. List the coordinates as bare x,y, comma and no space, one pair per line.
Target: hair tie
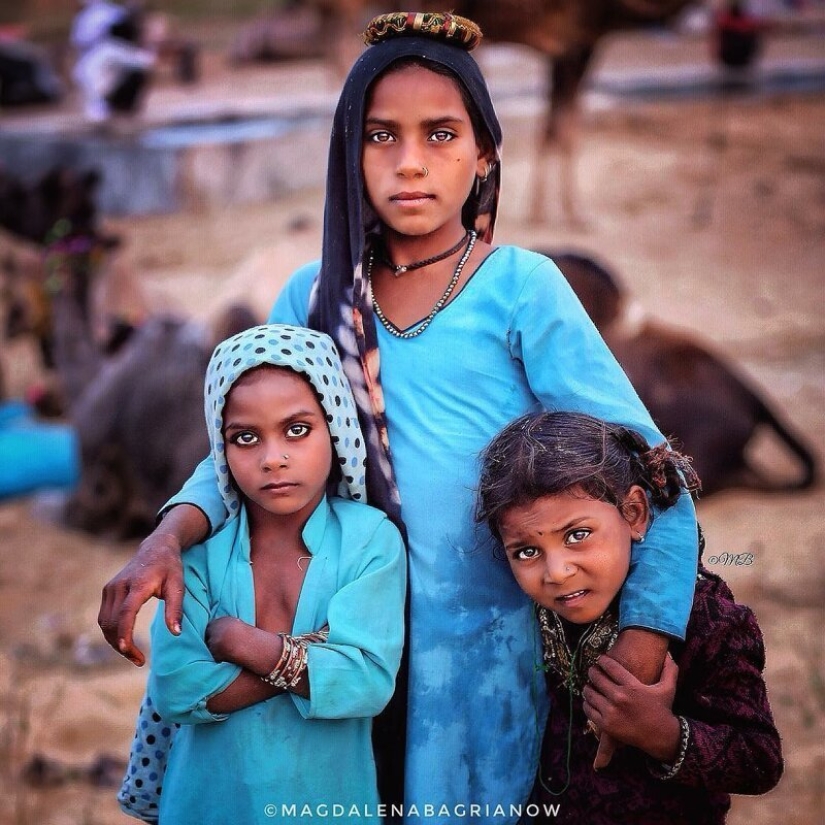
656,460
664,464
449,28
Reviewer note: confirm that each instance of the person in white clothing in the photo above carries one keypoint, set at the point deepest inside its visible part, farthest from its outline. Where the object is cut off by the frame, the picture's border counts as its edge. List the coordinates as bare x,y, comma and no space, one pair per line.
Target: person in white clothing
112,69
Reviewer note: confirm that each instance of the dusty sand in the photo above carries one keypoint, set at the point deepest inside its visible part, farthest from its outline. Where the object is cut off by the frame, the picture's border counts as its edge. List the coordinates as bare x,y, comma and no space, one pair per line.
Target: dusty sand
750,281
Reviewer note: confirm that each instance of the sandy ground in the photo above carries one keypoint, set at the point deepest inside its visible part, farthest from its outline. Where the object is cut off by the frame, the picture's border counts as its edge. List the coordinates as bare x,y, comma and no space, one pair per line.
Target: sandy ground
749,279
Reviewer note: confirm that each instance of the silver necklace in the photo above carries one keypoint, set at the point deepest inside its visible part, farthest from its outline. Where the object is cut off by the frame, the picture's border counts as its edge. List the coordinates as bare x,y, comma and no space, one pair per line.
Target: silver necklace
439,304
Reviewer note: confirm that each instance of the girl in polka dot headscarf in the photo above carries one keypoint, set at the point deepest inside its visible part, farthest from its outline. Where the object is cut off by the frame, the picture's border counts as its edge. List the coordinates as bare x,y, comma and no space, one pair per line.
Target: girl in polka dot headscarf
293,613
311,355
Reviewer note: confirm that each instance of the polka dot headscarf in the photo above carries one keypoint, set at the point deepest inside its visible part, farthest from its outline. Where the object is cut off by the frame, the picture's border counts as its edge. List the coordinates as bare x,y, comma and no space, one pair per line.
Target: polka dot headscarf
304,351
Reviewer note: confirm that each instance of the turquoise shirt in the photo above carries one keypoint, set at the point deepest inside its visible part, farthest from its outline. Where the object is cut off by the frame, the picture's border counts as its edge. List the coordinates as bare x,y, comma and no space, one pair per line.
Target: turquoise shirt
275,759
514,340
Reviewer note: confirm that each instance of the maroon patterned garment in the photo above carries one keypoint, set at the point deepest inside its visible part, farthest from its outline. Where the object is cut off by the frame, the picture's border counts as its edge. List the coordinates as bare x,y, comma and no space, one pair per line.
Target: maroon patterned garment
734,746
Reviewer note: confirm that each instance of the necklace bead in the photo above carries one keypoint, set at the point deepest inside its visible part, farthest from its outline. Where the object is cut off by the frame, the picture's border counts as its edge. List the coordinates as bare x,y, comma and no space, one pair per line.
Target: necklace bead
439,304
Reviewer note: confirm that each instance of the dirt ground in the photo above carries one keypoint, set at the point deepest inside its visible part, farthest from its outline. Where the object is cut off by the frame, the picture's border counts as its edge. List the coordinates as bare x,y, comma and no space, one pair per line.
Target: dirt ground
715,218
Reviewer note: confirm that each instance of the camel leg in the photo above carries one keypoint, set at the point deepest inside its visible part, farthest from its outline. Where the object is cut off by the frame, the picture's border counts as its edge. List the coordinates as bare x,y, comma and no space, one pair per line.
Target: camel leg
537,212
544,148
77,357
340,22
716,145
568,137
560,134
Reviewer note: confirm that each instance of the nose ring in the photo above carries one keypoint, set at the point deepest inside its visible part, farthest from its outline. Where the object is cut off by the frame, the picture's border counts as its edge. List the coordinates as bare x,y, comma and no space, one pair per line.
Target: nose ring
285,457
426,171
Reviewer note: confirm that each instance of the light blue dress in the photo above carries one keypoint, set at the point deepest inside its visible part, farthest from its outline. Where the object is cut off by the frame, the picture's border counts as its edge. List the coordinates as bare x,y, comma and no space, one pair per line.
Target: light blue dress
515,339
276,759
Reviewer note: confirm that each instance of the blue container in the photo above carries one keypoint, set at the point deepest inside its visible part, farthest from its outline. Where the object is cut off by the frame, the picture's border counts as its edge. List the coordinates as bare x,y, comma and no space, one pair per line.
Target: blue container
35,454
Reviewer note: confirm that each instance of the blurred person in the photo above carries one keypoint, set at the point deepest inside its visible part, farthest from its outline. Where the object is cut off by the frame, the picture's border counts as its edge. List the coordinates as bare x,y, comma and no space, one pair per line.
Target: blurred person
112,69
26,74
739,34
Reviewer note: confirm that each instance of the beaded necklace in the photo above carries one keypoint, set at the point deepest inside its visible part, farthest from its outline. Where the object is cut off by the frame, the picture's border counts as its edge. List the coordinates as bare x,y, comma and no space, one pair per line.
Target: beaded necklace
439,304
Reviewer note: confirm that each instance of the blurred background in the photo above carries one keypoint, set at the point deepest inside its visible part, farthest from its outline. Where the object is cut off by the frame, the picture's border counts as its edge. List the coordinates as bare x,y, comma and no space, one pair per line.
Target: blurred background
162,172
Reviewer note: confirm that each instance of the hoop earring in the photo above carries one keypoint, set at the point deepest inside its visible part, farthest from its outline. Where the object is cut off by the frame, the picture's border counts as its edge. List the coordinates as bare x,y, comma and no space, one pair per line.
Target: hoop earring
480,179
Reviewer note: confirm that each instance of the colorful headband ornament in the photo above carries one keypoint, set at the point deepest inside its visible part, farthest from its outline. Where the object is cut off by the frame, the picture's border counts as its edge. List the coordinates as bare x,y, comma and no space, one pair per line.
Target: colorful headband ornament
449,28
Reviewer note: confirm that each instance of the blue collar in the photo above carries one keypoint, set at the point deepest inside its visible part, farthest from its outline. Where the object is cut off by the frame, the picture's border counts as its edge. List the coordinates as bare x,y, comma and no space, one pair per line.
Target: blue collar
312,534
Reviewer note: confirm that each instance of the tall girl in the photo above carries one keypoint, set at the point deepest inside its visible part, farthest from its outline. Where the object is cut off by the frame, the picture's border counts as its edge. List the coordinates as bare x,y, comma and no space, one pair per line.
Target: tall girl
444,338
570,496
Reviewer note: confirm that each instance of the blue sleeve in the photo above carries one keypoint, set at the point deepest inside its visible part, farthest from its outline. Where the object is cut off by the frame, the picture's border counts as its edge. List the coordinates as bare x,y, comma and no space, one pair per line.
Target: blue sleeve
201,489
569,367
353,674
184,675
292,305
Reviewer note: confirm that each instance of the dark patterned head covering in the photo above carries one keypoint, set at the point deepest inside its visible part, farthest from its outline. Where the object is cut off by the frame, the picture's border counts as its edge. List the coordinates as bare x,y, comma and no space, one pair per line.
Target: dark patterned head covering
340,303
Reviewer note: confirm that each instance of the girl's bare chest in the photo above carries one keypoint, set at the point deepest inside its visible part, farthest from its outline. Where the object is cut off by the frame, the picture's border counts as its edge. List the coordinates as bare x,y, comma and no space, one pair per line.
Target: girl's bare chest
277,591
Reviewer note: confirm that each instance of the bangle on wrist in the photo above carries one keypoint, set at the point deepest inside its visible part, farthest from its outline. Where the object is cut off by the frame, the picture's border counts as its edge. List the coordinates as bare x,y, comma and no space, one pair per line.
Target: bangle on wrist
664,771
292,663
273,677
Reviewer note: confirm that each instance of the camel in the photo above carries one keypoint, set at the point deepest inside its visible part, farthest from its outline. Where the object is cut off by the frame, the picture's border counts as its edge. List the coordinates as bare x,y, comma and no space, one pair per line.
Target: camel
137,411
694,394
567,32
45,219
133,392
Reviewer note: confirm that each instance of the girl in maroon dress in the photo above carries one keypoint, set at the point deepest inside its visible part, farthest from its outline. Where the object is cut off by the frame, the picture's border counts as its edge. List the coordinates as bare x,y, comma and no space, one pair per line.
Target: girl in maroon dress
567,495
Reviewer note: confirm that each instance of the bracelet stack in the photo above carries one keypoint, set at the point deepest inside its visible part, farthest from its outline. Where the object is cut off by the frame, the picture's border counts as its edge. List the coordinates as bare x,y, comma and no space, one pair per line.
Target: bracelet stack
292,663
669,771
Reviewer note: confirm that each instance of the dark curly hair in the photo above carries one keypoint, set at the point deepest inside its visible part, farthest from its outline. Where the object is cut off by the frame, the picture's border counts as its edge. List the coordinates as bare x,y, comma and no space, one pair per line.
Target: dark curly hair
542,454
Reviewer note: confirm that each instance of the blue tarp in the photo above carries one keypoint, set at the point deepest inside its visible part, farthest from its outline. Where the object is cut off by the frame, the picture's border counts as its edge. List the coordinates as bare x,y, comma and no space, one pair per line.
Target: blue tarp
35,454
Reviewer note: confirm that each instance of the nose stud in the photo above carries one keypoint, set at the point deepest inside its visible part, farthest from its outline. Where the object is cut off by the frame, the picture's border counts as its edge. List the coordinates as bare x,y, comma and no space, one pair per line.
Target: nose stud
285,457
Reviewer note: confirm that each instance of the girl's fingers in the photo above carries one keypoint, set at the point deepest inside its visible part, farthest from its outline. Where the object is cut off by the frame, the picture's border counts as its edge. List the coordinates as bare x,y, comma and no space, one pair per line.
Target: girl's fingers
617,672
114,593
172,596
125,626
601,680
605,751
595,701
670,671
104,616
593,689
